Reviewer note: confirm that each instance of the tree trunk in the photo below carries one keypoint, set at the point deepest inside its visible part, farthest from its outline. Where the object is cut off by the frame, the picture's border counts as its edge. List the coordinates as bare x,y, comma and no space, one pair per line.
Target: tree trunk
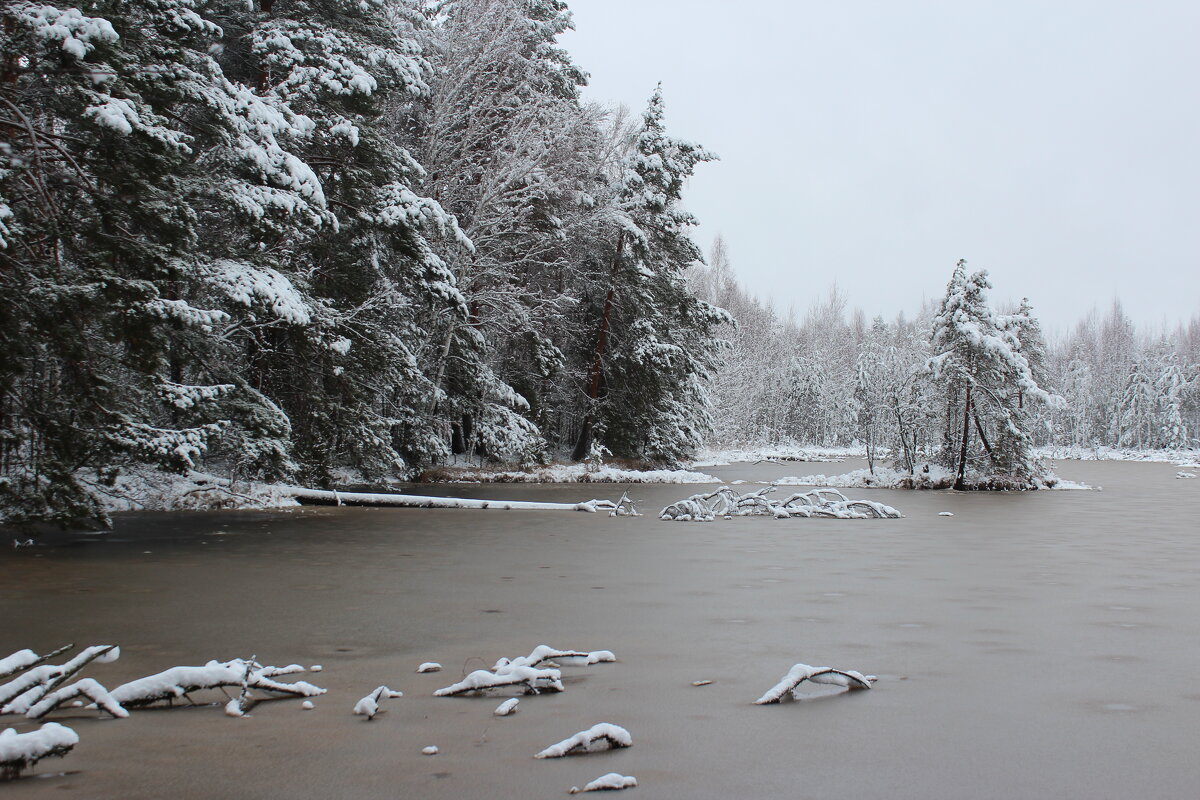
584,443
960,482
983,437
908,459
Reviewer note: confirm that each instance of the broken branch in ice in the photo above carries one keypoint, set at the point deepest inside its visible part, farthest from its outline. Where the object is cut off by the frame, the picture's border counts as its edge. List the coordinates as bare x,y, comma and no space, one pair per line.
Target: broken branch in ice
623,507
179,682
544,653
430,666
604,736
725,502
369,706
19,751
20,694
481,680
803,672
613,781
26,659
85,687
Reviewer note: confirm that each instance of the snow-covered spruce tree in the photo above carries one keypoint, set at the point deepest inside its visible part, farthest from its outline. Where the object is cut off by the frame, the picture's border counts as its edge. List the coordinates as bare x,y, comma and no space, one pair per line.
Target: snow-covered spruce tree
981,371
121,133
346,372
654,342
509,150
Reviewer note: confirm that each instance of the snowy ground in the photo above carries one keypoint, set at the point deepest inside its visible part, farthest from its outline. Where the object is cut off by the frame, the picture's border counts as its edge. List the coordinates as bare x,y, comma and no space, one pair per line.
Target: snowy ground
574,473
749,454
1183,458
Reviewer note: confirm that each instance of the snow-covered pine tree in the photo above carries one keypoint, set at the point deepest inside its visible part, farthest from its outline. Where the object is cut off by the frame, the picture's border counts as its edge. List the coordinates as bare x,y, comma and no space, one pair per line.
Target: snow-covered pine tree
121,134
655,345
981,371
349,377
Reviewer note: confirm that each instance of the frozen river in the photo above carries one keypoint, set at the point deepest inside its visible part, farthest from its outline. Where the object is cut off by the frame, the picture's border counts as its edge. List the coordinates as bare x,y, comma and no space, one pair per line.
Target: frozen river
1032,645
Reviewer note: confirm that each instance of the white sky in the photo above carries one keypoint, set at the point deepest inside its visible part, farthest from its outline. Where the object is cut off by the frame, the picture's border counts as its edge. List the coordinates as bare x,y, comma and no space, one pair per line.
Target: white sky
1055,143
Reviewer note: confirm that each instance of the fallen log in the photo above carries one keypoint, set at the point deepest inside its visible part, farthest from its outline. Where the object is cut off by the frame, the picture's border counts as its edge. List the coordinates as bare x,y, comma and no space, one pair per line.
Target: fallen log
335,498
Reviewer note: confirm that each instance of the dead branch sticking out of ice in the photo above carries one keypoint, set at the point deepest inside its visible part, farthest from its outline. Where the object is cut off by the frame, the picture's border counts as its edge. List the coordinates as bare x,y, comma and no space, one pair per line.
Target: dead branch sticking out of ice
803,672
544,653
480,681
27,689
25,659
178,682
369,706
20,751
613,781
84,687
725,502
508,707
333,498
430,666
604,736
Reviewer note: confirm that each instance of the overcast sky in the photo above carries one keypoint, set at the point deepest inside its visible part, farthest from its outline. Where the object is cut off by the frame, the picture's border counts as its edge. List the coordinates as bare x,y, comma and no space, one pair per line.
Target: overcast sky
1052,142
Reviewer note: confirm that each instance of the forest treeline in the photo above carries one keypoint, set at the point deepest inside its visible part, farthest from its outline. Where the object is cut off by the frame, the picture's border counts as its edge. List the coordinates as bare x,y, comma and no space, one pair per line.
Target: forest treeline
832,377
332,240
305,239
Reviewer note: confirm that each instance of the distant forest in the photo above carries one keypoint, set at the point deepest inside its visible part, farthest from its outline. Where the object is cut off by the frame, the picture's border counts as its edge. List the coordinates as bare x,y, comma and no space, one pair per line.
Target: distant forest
330,240
833,377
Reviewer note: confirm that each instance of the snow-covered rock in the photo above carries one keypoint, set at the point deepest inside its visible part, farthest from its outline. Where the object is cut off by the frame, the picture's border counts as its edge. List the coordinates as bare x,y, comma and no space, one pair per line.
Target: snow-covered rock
431,750
603,736
430,666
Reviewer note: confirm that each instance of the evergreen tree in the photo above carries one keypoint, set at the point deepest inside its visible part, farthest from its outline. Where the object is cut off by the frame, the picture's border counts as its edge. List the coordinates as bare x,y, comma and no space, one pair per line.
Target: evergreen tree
654,343
981,370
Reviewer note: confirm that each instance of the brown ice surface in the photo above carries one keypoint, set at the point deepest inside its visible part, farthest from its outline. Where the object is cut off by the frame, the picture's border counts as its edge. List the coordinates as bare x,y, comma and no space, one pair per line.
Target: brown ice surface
1033,645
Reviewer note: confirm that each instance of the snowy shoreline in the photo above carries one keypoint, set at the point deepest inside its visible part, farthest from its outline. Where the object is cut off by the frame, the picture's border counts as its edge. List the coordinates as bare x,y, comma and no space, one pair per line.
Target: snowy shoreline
152,490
